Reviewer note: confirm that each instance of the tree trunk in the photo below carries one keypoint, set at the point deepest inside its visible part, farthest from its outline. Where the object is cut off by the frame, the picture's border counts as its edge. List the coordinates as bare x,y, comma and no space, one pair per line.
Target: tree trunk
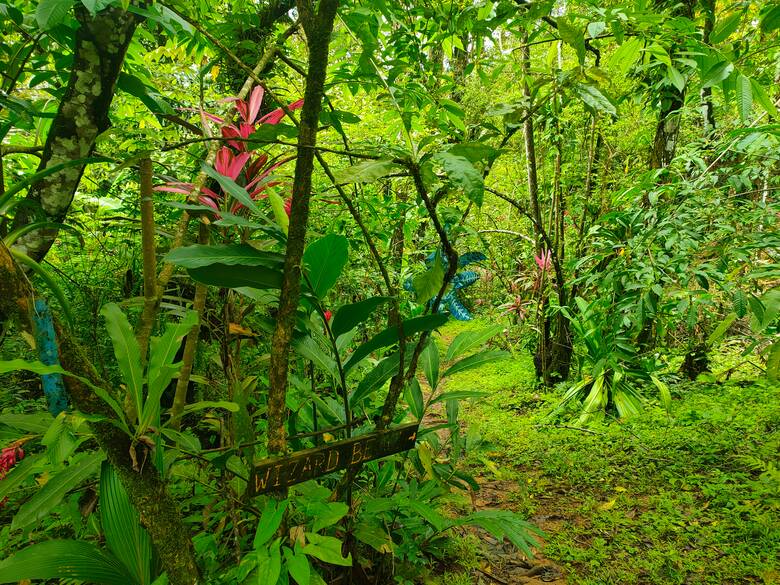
707,113
318,27
101,44
159,512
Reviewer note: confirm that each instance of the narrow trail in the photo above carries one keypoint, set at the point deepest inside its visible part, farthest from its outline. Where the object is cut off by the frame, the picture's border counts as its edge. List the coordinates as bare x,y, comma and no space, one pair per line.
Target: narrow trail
502,563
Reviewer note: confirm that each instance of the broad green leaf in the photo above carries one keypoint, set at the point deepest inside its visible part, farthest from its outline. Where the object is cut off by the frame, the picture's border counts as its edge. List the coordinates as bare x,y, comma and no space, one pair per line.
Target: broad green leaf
391,335
199,255
43,369
374,535
428,284
414,398
269,564
725,27
160,372
626,55
762,97
325,259
65,559
204,404
592,97
367,171
717,73
50,495
21,471
429,359
227,276
721,329
270,520
327,549
475,361
348,317
469,340
572,36
463,175
309,349
52,12
233,189
770,20
663,390
277,206
133,85
380,374
47,278
744,91
125,536
458,395
326,514
37,423
773,362
298,566
128,355
675,78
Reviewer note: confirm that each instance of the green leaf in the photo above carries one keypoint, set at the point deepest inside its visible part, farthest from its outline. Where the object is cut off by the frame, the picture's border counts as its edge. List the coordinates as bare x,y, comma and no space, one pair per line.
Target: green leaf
458,395
298,566
721,329
762,97
626,55
48,278
773,362
64,559
20,472
429,359
428,284
226,276
233,189
160,372
277,206
348,317
269,564
125,536
326,549
717,73
367,171
199,255
663,390
127,352
133,85
463,175
50,495
270,520
326,514
414,398
391,335
51,12
469,340
382,372
325,259
572,36
724,28
596,28
675,78
308,348
204,404
594,99
744,91
771,19
476,360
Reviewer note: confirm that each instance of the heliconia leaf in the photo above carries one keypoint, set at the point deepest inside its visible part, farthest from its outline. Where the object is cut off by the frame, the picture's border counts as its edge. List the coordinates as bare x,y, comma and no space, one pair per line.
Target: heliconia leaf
125,536
199,255
127,352
367,171
325,259
348,317
65,559
429,359
414,398
83,466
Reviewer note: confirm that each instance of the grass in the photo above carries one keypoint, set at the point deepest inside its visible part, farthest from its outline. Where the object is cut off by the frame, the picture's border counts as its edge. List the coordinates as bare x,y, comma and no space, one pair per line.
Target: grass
690,496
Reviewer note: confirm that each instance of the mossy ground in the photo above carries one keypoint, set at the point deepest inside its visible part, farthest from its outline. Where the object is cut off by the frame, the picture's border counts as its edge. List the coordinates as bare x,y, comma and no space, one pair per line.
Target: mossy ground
689,496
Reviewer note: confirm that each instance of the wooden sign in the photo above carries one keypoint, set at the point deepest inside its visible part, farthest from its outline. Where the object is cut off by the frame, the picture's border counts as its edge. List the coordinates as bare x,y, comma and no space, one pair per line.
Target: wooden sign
280,472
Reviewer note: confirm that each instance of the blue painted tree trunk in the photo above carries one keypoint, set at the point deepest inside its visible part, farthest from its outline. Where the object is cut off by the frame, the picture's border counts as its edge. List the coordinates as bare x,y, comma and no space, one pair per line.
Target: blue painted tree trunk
46,341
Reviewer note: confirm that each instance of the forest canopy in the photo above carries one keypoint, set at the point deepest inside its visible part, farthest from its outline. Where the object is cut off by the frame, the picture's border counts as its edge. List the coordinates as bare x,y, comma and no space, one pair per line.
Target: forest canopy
347,291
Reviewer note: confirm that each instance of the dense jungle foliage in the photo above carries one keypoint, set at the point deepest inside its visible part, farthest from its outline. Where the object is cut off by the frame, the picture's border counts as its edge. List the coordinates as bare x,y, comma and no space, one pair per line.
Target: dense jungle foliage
372,292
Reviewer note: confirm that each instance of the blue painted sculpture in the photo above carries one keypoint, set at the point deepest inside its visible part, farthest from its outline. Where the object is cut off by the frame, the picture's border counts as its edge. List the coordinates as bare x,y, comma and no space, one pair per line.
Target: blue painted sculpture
451,300
46,341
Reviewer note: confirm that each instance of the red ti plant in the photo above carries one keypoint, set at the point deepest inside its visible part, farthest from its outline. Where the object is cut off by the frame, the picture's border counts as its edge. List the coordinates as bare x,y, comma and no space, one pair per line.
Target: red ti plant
236,162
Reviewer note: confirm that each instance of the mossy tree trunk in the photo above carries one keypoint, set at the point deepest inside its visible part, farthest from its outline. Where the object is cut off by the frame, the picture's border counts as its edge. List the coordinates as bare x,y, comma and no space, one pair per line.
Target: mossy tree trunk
101,42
